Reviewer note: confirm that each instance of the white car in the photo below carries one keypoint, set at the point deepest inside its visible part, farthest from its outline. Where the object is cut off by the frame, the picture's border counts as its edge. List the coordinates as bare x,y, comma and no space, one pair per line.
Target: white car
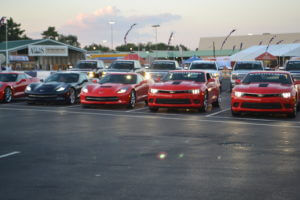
242,68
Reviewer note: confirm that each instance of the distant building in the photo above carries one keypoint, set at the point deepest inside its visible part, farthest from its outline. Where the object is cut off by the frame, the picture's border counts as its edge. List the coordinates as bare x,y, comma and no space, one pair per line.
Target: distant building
246,41
43,54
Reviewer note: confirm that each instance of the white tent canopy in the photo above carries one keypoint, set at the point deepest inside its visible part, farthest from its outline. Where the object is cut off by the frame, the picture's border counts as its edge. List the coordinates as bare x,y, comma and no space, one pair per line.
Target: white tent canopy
281,50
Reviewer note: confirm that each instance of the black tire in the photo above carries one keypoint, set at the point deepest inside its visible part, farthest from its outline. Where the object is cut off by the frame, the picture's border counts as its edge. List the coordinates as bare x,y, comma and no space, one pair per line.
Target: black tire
7,95
235,114
294,113
72,97
205,103
132,100
217,102
153,109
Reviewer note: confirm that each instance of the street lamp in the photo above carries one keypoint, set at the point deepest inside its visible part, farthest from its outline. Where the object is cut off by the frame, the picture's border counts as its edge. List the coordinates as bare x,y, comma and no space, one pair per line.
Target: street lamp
155,27
111,23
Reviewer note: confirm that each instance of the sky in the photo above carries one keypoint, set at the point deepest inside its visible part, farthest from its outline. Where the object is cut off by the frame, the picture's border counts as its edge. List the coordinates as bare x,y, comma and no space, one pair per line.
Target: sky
188,19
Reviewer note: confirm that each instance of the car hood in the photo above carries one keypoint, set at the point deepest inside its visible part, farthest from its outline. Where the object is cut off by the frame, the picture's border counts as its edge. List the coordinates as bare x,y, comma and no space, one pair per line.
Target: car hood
263,88
106,88
178,85
49,87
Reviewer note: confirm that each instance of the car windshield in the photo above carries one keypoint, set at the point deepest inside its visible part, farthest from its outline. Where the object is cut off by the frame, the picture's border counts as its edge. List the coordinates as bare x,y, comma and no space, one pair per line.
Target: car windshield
86,65
122,65
248,66
65,78
163,65
293,66
119,78
8,77
267,78
185,76
207,66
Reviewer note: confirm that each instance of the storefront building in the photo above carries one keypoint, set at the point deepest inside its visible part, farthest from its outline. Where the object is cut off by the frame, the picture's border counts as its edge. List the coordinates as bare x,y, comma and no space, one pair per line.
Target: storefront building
43,54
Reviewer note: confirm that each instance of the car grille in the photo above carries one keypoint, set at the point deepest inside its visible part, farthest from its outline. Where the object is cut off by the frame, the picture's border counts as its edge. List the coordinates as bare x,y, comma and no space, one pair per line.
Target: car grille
173,101
173,91
103,99
261,105
261,95
42,96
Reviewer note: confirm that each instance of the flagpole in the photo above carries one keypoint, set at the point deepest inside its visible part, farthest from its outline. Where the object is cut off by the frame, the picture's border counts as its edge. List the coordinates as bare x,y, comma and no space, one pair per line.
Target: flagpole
6,46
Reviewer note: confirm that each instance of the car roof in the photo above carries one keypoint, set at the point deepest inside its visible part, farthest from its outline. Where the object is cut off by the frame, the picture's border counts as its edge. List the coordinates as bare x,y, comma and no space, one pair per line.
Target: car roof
249,61
11,72
188,71
204,61
270,72
164,61
123,73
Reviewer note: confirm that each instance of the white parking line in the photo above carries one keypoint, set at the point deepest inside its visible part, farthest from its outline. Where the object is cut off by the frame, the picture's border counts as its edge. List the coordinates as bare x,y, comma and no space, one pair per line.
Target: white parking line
216,113
136,109
73,106
9,154
232,122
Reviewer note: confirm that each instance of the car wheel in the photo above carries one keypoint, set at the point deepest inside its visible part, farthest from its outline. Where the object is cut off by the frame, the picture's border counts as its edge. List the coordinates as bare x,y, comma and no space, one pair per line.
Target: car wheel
72,96
294,113
235,114
7,95
153,109
132,100
217,102
205,103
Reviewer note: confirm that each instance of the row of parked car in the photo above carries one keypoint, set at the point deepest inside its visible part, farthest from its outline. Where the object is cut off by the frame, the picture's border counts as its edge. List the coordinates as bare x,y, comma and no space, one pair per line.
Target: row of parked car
126,83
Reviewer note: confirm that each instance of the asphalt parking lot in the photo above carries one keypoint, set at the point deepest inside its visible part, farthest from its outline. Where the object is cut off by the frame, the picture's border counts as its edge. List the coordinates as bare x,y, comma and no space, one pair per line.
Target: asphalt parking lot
68,152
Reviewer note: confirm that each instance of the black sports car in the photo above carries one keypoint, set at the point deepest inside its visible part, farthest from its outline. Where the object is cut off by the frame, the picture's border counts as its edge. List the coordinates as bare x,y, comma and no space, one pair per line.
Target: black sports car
60,87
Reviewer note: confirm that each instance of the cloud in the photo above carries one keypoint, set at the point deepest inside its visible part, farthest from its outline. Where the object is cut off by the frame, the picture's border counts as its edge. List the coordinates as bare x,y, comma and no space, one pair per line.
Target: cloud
94,28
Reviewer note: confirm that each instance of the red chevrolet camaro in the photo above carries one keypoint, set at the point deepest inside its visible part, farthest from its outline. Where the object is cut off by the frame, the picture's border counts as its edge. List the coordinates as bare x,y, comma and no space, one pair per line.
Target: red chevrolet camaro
274,92
185,89
116,88
13,85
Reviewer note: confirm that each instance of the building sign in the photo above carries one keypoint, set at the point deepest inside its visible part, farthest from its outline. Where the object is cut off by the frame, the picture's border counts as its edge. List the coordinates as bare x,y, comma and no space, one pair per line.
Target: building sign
47,50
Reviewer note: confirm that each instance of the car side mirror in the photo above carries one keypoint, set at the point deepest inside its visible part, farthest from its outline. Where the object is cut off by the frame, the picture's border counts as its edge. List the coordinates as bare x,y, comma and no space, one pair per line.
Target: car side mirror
238,81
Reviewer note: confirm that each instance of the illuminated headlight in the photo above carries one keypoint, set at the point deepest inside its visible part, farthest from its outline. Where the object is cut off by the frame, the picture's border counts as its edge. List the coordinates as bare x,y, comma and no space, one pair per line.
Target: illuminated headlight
153,91
28,88
104,73
238,94
286,95
122,91
91,74
147,76
195,91
60,89
85,90
216,75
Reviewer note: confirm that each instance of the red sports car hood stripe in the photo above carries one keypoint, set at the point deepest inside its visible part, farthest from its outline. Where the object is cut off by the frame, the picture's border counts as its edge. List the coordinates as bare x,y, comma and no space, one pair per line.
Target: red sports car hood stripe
264,88
178,85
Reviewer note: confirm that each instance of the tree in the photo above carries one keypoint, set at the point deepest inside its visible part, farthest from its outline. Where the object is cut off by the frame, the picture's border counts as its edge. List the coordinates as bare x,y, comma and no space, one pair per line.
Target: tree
69,39
96,47
50,33
150,47
14,31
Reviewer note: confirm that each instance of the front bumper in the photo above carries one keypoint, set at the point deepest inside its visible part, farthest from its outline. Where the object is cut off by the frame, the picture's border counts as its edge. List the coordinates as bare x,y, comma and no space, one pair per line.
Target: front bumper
104,100
256,104
46,97
175,100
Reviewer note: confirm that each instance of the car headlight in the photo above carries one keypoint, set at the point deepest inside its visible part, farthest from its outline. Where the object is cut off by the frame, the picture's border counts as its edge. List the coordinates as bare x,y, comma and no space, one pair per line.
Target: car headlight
286,95
147,76
28,88
153,91
85,90
122,91
60,89
91,74
104,73
197,91
238,94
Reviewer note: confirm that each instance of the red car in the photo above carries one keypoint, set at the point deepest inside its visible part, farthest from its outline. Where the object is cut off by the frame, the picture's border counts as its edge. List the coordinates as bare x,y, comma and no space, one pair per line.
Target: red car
13,85
274,92
185,89
116,88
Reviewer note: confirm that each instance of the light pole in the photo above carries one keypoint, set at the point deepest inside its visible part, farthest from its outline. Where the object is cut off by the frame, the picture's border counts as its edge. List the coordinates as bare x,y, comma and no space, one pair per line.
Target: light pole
155,27
111,32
